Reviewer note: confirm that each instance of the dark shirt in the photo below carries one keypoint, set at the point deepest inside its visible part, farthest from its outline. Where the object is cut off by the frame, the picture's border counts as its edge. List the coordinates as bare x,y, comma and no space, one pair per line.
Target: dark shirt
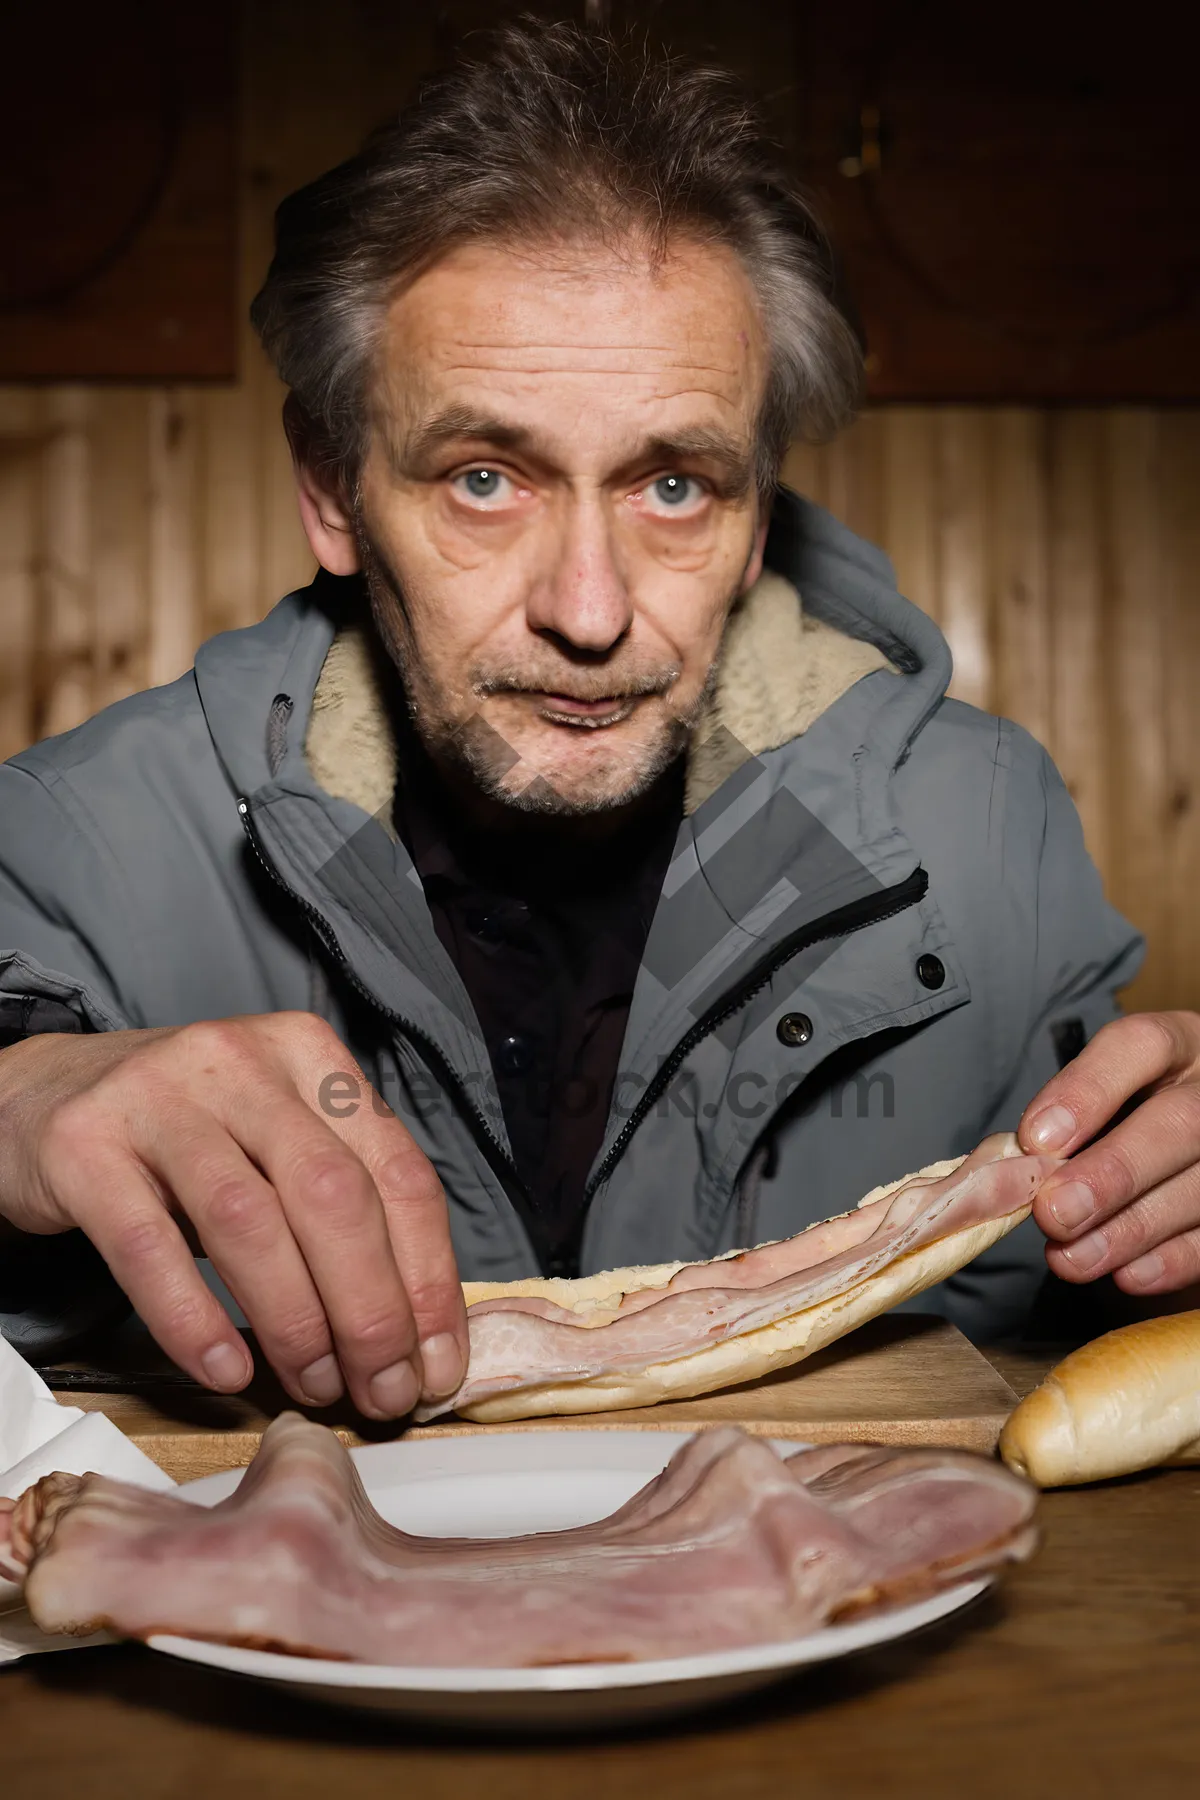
547,933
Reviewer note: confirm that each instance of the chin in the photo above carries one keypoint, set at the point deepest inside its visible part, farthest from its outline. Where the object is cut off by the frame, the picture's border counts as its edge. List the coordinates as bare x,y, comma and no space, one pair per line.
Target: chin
570,779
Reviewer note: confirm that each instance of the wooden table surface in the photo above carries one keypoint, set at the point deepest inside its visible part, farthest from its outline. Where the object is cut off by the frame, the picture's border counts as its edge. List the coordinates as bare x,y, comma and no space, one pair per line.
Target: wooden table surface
1079,1678
896,1380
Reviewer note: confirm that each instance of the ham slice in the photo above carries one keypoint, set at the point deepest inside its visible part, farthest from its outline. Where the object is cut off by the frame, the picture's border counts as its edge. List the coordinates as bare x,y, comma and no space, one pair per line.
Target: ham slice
535,1352
731,1545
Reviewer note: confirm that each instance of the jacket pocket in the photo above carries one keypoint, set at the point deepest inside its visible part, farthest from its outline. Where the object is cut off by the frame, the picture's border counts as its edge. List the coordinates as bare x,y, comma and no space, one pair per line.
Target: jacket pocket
28,1015
34,1000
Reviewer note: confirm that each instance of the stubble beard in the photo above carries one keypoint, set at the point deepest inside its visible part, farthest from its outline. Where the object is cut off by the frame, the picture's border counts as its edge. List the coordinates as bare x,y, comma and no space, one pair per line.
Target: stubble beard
470,749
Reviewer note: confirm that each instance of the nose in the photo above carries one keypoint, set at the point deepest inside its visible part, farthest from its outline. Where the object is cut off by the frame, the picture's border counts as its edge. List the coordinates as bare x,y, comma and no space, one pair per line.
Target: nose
584,599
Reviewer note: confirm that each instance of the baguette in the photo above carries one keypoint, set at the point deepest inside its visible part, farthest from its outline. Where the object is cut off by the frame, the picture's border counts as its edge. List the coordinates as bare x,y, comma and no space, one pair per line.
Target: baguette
752,1354
595,1298
747,1356
1130,1400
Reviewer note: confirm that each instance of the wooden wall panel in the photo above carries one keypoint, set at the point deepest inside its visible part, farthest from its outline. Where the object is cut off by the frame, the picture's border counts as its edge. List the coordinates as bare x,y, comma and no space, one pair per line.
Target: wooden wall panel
1019,584
19,494
1058,549
120,569
1178,863
67,611
960,490
1135,655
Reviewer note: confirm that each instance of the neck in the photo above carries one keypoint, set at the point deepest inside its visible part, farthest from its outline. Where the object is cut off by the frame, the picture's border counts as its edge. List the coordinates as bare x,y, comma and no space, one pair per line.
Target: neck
481,827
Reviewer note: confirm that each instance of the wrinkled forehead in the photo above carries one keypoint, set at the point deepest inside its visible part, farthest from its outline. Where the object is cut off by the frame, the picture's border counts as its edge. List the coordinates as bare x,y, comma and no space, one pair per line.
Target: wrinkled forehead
583,336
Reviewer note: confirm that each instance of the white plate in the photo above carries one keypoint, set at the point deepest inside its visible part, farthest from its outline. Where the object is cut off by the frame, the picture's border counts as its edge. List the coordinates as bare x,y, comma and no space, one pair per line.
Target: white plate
502,1484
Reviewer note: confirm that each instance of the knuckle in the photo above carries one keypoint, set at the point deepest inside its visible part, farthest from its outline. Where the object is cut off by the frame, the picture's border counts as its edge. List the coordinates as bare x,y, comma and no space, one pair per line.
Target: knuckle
1181,1112
300,1336
232,1207
138,1239
410,1178
333,1185
308,1029
381,1336
436,1300
214,1040
1112,1173
1151,1036
188,1321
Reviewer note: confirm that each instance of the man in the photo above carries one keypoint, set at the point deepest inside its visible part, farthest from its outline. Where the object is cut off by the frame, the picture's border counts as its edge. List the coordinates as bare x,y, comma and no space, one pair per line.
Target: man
547,886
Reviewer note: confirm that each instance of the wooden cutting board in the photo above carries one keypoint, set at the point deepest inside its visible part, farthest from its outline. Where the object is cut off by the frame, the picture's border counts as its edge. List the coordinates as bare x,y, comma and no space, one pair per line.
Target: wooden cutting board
898,1380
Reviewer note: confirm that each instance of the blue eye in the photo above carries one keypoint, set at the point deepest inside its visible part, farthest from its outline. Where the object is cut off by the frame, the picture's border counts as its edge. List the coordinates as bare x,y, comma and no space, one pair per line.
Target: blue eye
482,484
673,490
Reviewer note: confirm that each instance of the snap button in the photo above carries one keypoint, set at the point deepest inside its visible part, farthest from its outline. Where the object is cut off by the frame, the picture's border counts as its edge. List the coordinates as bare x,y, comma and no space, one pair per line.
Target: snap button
931,971
794,1029
514,1055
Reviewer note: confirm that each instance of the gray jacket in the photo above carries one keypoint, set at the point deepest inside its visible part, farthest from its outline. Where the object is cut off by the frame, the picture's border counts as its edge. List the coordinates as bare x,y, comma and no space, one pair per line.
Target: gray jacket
879,935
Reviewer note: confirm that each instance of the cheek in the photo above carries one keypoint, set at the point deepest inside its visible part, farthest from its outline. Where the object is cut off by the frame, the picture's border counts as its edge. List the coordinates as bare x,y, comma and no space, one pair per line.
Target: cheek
507,543
460,589
713,550
685,610
682,626
683,547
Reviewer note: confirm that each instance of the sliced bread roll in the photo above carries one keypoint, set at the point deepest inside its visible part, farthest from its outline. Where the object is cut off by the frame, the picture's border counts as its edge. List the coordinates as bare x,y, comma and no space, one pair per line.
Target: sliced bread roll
750,1355
595,1301
1130,1400
595,1297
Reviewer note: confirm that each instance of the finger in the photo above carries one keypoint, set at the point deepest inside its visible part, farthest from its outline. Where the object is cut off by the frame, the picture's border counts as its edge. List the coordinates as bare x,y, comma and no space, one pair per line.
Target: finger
1159,1140
242,1227
1167,1211
103,1187
416,1214
418,1224
336,1217
1123,1058
1173,1265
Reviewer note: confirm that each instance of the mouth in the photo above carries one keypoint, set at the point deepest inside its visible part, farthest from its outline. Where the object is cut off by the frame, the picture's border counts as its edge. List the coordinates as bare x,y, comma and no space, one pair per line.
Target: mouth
567,709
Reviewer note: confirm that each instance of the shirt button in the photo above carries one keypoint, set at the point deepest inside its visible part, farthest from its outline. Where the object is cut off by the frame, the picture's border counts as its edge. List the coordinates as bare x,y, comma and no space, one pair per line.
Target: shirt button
794,1029
931,971
487,926
514,1055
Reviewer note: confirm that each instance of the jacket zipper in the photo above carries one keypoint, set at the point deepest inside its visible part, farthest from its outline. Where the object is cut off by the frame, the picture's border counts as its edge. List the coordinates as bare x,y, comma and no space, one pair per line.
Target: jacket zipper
519,1193
847,919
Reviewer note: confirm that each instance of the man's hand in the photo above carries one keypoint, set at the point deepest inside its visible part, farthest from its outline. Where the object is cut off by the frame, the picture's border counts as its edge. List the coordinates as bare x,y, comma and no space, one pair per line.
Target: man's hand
1129,1205
332,1234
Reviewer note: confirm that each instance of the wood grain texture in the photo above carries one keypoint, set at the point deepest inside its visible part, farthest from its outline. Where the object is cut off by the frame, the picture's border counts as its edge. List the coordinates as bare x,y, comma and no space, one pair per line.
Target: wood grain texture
1077,1678
897,1380
1059,549
19,458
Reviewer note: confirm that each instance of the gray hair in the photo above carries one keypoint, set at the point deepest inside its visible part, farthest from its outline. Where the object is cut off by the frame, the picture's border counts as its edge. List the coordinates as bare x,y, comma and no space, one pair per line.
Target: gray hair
550,131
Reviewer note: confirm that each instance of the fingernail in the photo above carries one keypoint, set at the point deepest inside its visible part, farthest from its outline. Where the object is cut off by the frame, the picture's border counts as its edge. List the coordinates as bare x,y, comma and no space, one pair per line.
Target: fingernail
394,1391
1087,1252
441,1360
1053,1129
321,1383
1071,1204
226,1368
1146,1270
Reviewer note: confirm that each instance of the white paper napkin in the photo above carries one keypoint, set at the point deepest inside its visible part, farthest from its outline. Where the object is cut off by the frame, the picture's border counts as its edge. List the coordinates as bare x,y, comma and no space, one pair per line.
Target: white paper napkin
37,1437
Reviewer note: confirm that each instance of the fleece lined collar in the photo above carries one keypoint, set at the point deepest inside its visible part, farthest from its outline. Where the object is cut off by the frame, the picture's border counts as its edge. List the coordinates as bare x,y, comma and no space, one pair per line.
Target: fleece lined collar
779,670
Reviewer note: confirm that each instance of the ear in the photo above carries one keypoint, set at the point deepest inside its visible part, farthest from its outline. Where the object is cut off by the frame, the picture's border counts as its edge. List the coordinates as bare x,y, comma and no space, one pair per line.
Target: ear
326,518
753,568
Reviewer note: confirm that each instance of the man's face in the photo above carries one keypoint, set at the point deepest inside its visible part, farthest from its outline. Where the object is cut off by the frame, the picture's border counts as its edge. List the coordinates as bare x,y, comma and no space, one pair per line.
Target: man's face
558,508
